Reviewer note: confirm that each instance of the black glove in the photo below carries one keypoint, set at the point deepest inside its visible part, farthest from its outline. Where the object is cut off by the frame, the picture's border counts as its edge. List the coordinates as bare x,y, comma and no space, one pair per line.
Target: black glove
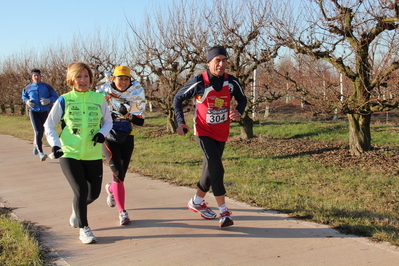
136,120
57,152
122,109
98,138
114,116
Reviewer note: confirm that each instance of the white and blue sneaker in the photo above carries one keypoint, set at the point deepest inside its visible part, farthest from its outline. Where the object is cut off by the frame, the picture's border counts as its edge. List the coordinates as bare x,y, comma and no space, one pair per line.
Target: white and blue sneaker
43,157
225,219
110,198
124,218
86,235
202,209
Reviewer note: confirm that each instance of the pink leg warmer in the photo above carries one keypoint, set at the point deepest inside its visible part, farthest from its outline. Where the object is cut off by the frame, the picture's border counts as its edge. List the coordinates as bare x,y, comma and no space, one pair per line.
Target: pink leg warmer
119,194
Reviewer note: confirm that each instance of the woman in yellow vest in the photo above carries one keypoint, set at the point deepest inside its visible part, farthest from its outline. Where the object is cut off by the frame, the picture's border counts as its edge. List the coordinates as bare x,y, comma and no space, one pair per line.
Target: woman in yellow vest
85,121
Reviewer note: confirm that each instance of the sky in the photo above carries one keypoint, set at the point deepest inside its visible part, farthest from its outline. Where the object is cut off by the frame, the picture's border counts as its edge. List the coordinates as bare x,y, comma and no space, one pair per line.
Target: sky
34,25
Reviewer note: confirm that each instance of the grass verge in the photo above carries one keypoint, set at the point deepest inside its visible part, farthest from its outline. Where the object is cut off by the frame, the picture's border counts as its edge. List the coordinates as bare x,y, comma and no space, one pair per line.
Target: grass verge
17,245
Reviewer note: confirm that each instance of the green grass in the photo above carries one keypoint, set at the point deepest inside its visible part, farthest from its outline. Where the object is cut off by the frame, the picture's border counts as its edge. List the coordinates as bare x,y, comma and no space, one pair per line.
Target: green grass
382,134
18,126
327,131
355,200
17,245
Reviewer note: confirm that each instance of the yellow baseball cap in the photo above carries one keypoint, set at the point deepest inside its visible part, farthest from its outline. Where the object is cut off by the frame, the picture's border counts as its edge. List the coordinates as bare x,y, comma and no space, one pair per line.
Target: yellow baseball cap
122,71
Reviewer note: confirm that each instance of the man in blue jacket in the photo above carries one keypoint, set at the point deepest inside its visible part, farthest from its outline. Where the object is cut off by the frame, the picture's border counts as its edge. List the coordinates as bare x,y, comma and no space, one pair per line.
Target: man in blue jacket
38,96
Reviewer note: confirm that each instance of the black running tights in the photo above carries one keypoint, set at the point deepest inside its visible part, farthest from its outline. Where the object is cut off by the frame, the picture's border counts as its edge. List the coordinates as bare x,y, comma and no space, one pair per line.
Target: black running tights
212,166
118,156
85,179
37,119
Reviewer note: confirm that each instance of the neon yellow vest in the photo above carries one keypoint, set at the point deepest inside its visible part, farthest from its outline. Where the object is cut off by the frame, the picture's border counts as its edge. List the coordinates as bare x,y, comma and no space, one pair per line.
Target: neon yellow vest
82,117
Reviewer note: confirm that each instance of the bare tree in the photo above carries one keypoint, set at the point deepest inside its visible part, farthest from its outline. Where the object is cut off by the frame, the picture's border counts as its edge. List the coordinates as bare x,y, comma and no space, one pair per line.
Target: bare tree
357,37
241,26
313,82
168,49
55,61
14,77
101,51
172,49
266,87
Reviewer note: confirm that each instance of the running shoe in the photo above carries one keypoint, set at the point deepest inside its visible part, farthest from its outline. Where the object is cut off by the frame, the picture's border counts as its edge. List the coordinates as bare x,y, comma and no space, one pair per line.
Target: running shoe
202,209
73,220
86,235
43,157
110,197
124,218
225,219
35,151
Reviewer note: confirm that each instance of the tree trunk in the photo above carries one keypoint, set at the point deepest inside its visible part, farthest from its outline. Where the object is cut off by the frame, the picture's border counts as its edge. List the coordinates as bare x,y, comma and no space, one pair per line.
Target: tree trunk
171,121
247,126
22,109
359,133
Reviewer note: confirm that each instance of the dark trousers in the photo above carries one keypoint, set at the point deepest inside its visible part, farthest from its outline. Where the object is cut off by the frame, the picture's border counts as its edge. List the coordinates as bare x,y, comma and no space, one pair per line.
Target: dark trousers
212,167
85,179
118,155
37,119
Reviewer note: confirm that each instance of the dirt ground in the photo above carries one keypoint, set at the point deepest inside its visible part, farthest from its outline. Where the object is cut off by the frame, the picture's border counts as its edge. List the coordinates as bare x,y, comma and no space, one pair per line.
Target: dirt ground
381,159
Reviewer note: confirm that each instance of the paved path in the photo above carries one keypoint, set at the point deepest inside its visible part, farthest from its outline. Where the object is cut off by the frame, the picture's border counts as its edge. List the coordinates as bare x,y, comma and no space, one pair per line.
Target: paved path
164,231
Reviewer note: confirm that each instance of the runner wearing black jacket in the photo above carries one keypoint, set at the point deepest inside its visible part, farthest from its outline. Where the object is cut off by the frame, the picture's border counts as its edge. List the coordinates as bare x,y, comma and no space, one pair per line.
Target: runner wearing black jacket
213,91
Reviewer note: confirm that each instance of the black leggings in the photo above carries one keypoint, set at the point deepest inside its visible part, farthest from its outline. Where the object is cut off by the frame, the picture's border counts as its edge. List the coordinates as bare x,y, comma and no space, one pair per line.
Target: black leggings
37,119
118,155
85,179
212,166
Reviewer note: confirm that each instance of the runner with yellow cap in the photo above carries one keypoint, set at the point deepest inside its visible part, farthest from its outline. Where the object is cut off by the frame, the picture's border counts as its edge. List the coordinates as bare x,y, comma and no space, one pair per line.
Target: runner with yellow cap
126,101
